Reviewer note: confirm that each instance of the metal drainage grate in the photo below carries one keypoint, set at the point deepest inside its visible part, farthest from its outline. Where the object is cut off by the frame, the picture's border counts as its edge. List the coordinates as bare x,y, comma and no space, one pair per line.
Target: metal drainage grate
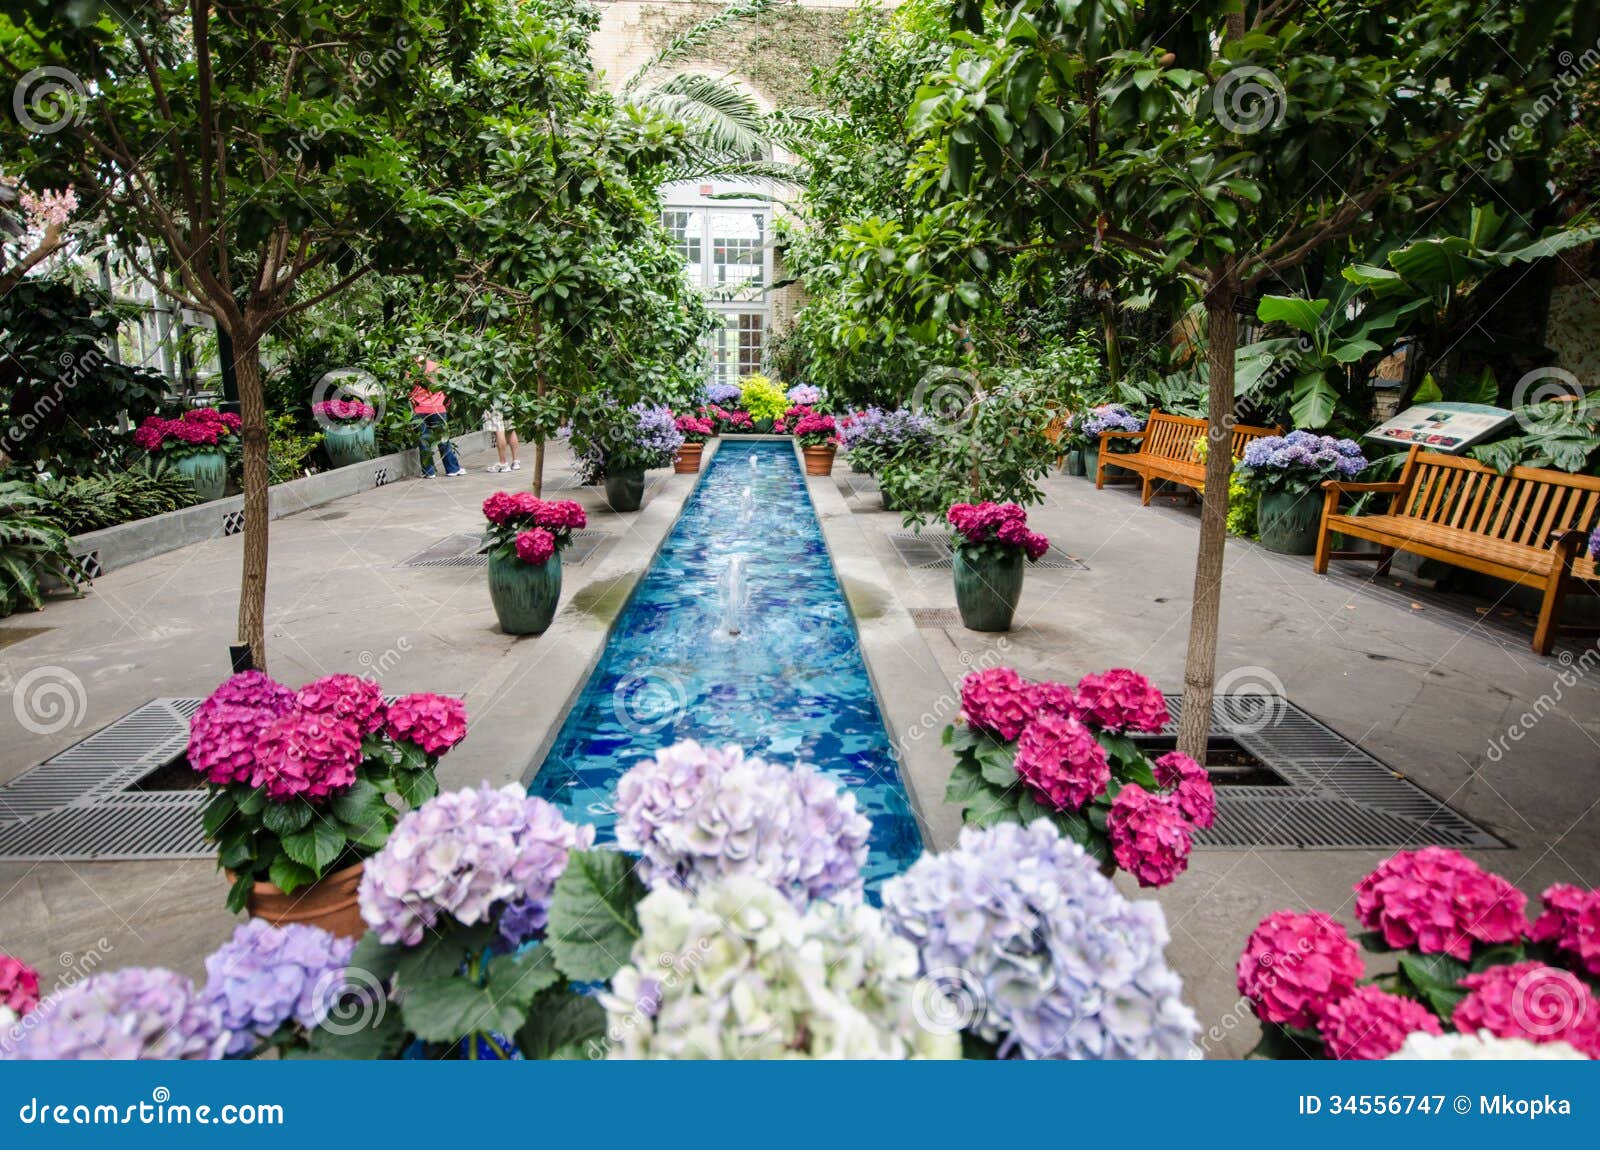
1338,797
930,551
77,805
935,618
462,551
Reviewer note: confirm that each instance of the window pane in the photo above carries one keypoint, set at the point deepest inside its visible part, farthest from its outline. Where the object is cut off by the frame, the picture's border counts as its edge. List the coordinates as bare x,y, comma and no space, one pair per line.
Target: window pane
738,248
686,229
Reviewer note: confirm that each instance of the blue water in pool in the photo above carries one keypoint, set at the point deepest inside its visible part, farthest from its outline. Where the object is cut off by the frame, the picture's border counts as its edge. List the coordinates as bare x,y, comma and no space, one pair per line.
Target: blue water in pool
789,686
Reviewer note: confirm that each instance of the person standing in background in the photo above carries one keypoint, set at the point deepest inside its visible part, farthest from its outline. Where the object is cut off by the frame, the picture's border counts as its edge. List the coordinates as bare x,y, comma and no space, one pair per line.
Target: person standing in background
494,420
427,407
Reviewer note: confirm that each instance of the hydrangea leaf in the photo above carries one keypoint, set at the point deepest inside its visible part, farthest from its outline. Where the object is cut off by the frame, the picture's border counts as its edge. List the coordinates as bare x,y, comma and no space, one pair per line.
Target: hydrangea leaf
316,847
441,953
593,920
382,1040
966,782
516,979
286,818
218,810
449,1009
416,787
288,875
998,764
563,1025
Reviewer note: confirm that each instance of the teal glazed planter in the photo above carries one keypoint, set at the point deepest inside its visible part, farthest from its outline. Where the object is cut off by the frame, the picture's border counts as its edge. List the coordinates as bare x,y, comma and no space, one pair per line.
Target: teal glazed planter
625,490
348,443
1287,523
763,426
987,589
207,472
525,595
1075,464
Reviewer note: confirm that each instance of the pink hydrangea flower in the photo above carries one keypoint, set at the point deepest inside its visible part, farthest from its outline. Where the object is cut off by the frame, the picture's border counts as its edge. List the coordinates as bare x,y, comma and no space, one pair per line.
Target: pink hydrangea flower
1122,700
199,434
1295,965
1196,798
996,700
1150,838
151,433
535,546
253,689
433,722
1571,923
345,697
1051,698
500,506
224,730
1533,1001
1062,761
19,985
307,755
561,515
232,422
1370,1024
1438,901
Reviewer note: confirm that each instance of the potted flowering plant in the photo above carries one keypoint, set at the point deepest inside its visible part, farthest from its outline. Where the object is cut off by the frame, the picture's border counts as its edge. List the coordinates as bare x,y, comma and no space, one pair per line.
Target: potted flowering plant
1472,977
524,541
725,421
764,400
695,429
1047,750
306,784
196,445
631,441
818,436
348,429
724,395
804,395
1086,427
990,542
1287,472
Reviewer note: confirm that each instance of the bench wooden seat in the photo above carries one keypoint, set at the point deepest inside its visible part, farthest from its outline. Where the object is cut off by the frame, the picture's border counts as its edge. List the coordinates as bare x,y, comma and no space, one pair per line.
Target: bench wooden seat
1529,526
1168,451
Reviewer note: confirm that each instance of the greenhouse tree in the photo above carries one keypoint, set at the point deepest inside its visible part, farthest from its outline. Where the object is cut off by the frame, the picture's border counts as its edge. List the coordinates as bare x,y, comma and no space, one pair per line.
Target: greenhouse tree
1072,127
239,149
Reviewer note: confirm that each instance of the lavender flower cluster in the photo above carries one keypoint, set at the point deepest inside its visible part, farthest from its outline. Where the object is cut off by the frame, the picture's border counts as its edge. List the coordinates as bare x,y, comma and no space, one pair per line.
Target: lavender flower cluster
877,430
1106,417
474,856
724,394
128,1014
695,814
1308,451
1058,964
804,394
265,976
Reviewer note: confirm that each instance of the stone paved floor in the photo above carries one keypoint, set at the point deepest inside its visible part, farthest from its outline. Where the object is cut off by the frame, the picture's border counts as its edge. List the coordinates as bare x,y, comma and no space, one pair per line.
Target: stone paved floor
1427,694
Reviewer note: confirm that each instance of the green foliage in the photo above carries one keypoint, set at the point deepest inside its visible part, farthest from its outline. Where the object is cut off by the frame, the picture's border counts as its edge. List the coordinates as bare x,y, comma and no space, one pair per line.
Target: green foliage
288,450
1562,435
31,546
593,915
91,502
1243,500
762,397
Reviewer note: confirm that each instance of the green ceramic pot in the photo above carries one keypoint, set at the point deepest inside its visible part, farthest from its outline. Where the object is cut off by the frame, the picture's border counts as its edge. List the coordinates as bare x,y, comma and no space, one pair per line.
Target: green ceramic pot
987,589
625,490
1075,464
348,443
206,471
525,595
1287,523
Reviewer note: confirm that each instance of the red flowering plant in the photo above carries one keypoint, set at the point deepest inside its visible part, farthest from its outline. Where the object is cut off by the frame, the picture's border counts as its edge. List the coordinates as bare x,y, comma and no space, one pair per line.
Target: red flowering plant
528,528
1042,750
724,420
816,430
1466,960
199,430
695,428
984,528
310,781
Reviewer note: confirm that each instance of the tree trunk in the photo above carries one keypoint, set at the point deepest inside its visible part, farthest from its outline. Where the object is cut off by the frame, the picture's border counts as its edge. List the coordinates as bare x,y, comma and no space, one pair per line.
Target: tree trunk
1199,669
1108,320
253,432
538,443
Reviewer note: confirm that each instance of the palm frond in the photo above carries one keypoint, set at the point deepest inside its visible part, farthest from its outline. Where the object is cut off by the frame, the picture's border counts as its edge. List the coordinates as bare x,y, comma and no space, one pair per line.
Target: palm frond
721,117
682,45
725,167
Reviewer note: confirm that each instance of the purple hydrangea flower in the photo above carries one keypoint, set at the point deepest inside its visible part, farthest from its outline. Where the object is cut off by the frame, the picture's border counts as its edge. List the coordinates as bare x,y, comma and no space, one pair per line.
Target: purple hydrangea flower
878,430
658,433
133,1013
695,814
804,394
1594,543
1305,451
1106,417
265,976
474,856
724,394
1059,963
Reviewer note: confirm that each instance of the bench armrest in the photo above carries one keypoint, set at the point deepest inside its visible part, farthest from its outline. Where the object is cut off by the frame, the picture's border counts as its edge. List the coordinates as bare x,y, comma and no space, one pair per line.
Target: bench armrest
1572,542
1105,435
1345,485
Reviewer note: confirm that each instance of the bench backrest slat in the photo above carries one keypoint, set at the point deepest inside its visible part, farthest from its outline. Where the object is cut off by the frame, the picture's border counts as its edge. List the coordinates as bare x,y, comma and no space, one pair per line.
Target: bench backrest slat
1178,437
1525,506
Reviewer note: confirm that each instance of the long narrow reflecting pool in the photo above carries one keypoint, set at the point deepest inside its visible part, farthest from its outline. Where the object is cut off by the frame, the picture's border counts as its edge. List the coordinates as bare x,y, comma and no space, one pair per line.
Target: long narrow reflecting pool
738,633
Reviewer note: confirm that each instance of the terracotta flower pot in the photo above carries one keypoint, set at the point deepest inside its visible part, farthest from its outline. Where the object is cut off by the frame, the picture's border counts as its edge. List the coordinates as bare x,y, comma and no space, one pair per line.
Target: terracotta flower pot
819,460
329,903
688,461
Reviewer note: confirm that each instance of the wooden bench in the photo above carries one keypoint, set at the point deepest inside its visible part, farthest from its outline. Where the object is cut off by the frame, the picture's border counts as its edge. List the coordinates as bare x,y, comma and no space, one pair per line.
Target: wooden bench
1529,526
1169,451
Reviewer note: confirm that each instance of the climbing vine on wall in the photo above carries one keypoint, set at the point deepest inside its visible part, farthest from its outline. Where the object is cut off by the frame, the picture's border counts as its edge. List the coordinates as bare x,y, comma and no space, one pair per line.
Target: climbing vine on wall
775,52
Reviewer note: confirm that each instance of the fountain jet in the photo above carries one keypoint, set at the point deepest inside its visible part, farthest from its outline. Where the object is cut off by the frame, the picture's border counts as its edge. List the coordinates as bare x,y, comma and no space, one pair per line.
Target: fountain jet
735,595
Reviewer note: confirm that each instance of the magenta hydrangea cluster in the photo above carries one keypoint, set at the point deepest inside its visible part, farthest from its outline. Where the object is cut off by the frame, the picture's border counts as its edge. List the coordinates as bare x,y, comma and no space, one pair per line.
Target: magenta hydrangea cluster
133,1013
1570,922
524,509
1191,784
345,697
224,730
1122,700
307,755
1062,761
1533,1001
473,856
1007,523
19,985
345,410
199,427
266,976
695,814
998,700
1370,1024
535,546
1295,966
1438,901
1150,836
433,722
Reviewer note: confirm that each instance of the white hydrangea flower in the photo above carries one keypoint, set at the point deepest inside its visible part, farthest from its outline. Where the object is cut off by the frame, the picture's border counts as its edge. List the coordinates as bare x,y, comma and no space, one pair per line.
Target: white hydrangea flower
736,971
1423,1047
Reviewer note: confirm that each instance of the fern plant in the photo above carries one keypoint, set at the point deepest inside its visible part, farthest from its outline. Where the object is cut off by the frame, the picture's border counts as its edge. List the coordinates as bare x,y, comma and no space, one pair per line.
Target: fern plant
91,502
31,547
